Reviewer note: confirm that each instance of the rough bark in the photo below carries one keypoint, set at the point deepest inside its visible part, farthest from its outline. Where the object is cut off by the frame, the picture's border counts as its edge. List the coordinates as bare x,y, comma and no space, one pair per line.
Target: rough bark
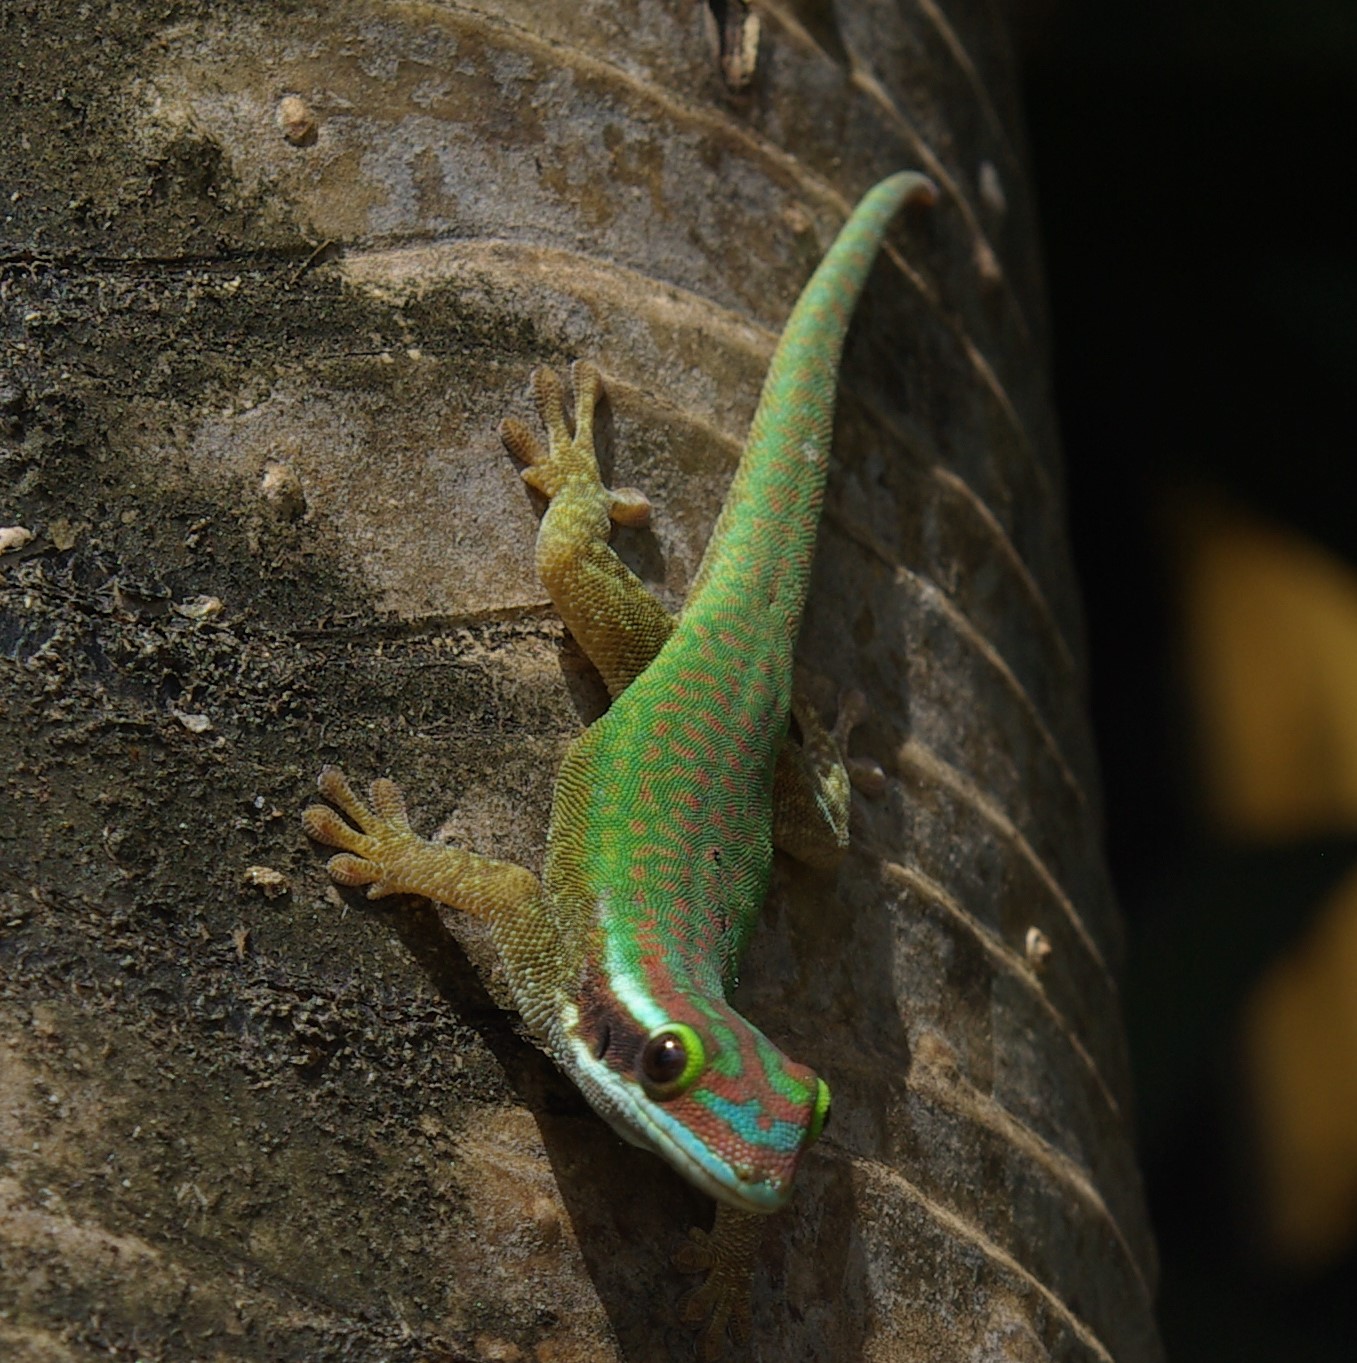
272,274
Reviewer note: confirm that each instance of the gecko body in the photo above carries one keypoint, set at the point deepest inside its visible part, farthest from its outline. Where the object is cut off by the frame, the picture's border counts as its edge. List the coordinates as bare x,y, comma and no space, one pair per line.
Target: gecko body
668,807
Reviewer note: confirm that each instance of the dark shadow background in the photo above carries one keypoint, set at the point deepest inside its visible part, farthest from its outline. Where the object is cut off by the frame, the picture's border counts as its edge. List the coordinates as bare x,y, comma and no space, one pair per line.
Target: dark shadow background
1195,163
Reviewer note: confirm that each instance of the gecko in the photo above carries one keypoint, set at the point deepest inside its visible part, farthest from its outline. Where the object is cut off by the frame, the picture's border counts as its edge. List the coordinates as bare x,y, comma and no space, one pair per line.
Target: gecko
667,808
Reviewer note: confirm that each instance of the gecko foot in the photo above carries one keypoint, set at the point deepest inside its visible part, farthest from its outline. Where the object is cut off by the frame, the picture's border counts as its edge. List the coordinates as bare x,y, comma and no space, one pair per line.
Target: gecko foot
720,1304
569,456
379,849
866,774
370,853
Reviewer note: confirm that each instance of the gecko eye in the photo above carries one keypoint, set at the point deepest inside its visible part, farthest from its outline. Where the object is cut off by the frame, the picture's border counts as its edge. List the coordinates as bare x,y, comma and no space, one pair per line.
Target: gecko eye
819,1118
671,1060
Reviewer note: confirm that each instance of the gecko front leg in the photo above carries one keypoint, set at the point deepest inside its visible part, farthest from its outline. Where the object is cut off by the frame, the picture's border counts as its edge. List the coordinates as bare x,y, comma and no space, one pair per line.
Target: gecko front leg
725,1254
379,849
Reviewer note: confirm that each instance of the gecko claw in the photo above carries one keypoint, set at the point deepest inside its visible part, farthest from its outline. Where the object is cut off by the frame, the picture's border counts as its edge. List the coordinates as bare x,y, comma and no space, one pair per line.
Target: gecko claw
568,456
388,800
629,506
347,869
521,443
381,833
867,775
322,824
334,786
587,382
548,392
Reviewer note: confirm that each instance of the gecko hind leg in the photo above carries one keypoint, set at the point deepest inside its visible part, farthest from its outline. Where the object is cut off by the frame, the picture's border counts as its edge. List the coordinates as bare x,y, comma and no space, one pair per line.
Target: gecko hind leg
619,624
814,780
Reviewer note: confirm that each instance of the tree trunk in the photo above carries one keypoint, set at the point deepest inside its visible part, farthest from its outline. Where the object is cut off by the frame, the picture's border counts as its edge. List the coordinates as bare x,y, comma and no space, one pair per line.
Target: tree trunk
272,275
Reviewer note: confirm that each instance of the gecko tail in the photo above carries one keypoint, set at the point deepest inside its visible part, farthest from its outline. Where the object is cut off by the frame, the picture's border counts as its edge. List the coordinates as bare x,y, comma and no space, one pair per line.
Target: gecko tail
779,484
804,370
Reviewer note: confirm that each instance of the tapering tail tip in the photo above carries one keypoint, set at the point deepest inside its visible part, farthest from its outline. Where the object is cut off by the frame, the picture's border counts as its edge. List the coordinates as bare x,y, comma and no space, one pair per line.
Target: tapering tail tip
913,188
884,200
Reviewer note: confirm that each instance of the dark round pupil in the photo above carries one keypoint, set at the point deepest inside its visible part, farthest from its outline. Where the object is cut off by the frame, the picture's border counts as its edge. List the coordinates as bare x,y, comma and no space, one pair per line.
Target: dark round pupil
665,1058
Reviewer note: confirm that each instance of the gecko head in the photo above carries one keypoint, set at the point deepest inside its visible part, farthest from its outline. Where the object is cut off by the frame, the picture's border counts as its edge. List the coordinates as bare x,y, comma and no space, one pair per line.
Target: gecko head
705,1090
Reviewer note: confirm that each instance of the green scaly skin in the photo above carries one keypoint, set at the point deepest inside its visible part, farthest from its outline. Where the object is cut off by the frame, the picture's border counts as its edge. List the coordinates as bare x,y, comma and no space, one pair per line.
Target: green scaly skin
668,807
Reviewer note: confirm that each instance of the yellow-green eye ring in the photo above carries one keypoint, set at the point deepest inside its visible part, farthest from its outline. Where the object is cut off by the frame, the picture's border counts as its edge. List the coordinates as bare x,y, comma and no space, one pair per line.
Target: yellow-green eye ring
819,1117
671,1060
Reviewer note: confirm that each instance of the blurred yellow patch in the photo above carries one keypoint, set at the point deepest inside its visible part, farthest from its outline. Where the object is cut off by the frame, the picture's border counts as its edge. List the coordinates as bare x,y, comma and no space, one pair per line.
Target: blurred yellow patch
1300,1045
1270,630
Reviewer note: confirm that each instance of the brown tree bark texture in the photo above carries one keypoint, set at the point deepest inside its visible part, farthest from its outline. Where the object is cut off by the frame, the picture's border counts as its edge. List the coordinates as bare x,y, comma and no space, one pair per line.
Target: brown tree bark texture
272,274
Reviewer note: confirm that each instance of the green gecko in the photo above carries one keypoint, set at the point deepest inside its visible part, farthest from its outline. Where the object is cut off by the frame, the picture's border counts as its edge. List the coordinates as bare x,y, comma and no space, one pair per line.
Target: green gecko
667,808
